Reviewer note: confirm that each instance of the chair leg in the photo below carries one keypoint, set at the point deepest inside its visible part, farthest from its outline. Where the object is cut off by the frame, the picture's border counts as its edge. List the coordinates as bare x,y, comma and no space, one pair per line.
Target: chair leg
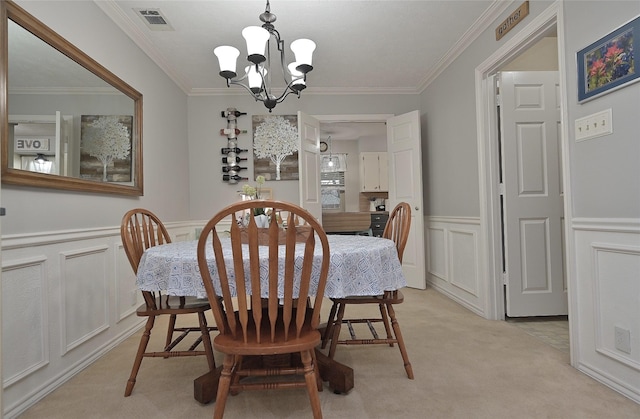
206,341
310,379
235,381
336,330
142,347
398,333
385,320
328,331
170,329
223,385
316,368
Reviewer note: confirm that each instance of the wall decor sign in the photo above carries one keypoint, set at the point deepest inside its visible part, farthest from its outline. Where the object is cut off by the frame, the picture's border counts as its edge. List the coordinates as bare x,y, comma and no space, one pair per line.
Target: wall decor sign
275,146
105,147
609,63
31,144
513,19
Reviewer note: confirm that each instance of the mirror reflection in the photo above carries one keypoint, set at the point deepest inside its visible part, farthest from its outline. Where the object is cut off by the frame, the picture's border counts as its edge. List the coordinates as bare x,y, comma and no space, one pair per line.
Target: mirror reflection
68,127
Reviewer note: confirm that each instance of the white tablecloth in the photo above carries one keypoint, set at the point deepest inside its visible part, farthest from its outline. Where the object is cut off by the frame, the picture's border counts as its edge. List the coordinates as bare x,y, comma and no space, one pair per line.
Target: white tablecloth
360,265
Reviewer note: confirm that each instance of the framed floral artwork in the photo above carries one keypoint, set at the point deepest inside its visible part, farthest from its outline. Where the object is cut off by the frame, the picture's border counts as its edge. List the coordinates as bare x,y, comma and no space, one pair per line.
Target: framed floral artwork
609,63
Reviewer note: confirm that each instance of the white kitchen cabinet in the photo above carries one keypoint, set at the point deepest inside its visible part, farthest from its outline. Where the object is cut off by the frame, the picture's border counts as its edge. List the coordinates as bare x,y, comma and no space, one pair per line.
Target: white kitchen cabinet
374,175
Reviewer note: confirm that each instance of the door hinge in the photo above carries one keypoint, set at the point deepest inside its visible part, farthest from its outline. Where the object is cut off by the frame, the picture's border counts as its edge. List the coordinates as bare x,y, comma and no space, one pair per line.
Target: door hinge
501,188
3,211
505,278
498,100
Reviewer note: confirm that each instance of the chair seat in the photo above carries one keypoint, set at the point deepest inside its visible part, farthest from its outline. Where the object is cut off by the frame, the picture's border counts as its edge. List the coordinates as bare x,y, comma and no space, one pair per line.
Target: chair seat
389,297
172,303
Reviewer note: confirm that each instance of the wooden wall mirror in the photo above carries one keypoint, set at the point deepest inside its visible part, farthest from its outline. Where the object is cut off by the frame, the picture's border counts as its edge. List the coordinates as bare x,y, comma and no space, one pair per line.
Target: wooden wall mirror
67,122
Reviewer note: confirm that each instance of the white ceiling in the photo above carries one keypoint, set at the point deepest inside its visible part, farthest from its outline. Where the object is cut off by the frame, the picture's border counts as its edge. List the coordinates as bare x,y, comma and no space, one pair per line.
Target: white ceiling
362,46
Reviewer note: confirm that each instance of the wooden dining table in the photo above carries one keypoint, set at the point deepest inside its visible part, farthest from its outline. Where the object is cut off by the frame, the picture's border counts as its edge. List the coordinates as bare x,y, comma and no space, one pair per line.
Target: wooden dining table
359,265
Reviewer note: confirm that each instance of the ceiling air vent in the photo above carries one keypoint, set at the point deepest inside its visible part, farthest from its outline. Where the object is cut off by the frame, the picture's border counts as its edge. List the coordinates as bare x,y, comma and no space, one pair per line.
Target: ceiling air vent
154,19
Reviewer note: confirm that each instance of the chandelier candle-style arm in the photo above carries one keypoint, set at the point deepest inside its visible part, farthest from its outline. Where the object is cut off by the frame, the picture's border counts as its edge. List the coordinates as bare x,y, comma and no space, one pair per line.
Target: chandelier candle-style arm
259,72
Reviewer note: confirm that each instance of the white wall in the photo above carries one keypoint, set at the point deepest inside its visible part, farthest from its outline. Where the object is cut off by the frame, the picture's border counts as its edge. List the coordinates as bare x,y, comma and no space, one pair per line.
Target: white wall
604,212
605,169
165,146
208,192
64,247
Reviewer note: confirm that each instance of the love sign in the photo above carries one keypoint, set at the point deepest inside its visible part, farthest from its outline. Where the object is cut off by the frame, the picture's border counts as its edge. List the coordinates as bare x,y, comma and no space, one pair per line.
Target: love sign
31,144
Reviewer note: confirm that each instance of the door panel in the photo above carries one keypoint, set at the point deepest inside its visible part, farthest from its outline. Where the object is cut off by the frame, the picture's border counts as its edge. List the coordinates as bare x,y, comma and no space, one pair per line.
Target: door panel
309,164
533,211
405,180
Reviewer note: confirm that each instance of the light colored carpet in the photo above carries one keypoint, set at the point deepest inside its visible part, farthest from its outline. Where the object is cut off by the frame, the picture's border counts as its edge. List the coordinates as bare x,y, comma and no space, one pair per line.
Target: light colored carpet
464,366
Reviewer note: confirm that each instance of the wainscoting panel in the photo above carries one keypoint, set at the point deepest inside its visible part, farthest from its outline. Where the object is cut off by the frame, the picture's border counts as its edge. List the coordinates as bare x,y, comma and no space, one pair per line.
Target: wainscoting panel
24,318
128,296
608,289
68,297
463,248
84,300
437,245
617,289
453,260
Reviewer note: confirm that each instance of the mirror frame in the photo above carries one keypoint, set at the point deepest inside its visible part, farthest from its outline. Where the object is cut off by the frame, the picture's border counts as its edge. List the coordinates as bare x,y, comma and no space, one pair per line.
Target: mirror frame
10,10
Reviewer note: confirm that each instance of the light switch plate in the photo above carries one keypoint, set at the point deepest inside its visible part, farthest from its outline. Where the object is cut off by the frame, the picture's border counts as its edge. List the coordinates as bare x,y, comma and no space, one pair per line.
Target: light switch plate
595,125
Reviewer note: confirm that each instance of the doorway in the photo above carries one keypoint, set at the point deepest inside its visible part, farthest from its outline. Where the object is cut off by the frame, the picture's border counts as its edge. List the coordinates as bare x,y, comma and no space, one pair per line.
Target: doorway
547,22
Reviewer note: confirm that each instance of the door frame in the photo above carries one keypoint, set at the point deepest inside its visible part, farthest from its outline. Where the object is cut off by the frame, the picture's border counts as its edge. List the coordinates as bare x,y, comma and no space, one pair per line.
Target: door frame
488,163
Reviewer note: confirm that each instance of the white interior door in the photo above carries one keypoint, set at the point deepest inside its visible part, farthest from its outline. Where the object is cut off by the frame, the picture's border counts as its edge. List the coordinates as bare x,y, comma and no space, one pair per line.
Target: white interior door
533,196
309,164
405,185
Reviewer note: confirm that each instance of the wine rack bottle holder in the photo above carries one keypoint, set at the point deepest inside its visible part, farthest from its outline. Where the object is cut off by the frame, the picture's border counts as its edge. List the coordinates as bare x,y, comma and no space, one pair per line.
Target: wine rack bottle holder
231,161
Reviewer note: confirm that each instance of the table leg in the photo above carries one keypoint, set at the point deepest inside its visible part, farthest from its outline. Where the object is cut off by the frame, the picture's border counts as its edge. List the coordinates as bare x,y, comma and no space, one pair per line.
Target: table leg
339,376
205,387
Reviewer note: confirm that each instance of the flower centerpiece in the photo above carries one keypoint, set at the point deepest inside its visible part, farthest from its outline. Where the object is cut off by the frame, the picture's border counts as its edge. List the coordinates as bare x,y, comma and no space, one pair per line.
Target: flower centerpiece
251,192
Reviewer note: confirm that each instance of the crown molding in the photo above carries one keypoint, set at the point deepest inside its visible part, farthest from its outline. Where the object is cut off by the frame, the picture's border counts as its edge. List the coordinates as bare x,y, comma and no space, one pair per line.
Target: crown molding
317,91
479,26
113,11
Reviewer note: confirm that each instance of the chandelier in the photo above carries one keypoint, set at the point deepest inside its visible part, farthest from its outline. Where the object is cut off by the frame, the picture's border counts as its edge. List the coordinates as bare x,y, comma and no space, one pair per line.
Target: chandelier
259,71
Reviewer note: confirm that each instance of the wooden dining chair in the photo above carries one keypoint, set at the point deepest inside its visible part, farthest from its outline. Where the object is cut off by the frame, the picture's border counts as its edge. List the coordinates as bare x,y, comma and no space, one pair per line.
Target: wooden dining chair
140,230
397,229
266,300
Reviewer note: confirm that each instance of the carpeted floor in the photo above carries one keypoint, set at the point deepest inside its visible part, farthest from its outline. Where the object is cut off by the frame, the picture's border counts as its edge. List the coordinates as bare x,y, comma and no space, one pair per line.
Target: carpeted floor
465,367
552,330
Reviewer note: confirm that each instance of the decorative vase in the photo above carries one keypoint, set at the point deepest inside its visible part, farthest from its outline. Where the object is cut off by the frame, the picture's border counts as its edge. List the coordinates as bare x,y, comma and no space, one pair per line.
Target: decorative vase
262,221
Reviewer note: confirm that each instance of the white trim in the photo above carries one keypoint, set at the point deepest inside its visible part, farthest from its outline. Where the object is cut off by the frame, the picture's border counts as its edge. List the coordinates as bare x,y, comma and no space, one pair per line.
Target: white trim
617,225
487,163
128,26
117,15
483,22
354,118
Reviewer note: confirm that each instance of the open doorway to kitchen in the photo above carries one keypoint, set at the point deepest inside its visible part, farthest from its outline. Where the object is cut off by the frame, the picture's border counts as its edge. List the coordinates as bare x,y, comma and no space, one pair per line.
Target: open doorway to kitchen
346,137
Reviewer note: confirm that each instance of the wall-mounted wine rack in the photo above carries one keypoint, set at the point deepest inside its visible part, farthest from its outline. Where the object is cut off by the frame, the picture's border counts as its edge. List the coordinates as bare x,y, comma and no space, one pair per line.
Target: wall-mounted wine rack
231,162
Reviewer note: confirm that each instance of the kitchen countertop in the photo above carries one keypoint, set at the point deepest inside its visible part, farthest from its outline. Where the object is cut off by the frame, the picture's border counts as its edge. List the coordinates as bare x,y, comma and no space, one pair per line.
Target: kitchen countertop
344,222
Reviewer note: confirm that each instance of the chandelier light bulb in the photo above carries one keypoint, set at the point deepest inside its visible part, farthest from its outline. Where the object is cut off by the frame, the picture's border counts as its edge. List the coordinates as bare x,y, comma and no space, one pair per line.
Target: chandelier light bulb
256,38
259,52
297,78
254,77
303,50
227,57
